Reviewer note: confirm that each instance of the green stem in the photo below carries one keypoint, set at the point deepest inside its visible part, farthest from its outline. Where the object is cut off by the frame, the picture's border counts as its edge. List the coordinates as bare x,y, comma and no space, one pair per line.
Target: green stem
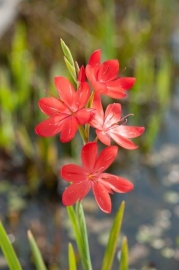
82,225
96,139
87,126
78,235
83,134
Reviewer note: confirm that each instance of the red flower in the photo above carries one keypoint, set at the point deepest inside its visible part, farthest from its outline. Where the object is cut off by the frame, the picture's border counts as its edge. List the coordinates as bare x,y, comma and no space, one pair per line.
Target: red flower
66,112
111,125
91,175
81,75
104,77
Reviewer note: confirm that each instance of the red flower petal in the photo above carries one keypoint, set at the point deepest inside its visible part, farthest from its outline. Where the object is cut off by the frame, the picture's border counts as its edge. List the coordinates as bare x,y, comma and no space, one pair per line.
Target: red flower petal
51,105
98,120
48,128
130,131
91,75
122,141
95,58
106,158
114,89
112,115
82,95
116,183
66,90
81,74
108,70
73,173
69,129
75,192
103,137
102,197
126,82
89,155
84,116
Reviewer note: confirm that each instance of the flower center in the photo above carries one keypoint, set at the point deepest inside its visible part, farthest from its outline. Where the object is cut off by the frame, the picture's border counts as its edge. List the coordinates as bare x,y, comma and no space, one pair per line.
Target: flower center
92,178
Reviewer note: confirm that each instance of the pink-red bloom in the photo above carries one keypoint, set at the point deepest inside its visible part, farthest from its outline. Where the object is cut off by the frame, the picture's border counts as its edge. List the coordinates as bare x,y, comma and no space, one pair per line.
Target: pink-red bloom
104,77
66,112
91,175
111,126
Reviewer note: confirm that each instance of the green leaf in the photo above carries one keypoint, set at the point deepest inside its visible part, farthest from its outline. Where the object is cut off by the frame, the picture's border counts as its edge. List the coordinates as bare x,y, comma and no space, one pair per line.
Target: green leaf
67,53
8,250
69,61
71,69
113,238
82,225
71,257
124,255
39,263
78,236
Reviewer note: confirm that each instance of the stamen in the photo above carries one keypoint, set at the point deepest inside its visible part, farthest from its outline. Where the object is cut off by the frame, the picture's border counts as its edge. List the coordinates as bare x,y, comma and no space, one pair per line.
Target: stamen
124,120
118,77
92,178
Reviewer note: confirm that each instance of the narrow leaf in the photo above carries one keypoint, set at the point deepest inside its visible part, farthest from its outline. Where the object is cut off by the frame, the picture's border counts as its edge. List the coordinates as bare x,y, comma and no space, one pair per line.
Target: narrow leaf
78,235
39,263
67,53
124,255
82,225
8,250
71,69
113,238
71,257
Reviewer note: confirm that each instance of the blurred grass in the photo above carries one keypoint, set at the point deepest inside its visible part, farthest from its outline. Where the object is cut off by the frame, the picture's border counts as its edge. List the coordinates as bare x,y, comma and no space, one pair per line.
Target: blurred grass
135,32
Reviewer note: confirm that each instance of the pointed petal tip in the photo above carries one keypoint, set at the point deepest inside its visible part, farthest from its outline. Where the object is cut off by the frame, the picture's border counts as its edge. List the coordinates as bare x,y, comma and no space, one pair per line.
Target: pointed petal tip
133,147
130,186
105,208
95,58
81,74
127,82
107,211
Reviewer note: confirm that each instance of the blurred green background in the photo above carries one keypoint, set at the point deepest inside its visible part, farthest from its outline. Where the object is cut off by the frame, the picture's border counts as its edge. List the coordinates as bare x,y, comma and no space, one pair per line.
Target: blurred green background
137,32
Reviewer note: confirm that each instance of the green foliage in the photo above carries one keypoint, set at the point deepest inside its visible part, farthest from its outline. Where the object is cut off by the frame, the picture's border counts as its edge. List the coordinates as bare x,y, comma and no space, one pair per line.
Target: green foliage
151,94
39,263
69,60
8,250
79,228
19,94
113,238
10,255
124,255
71,257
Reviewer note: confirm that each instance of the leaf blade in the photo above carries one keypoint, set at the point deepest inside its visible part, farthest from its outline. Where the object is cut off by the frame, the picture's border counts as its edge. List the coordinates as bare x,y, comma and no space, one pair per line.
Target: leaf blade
71,257
67,52
39,263
8,250
113,238
71,69
124,255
